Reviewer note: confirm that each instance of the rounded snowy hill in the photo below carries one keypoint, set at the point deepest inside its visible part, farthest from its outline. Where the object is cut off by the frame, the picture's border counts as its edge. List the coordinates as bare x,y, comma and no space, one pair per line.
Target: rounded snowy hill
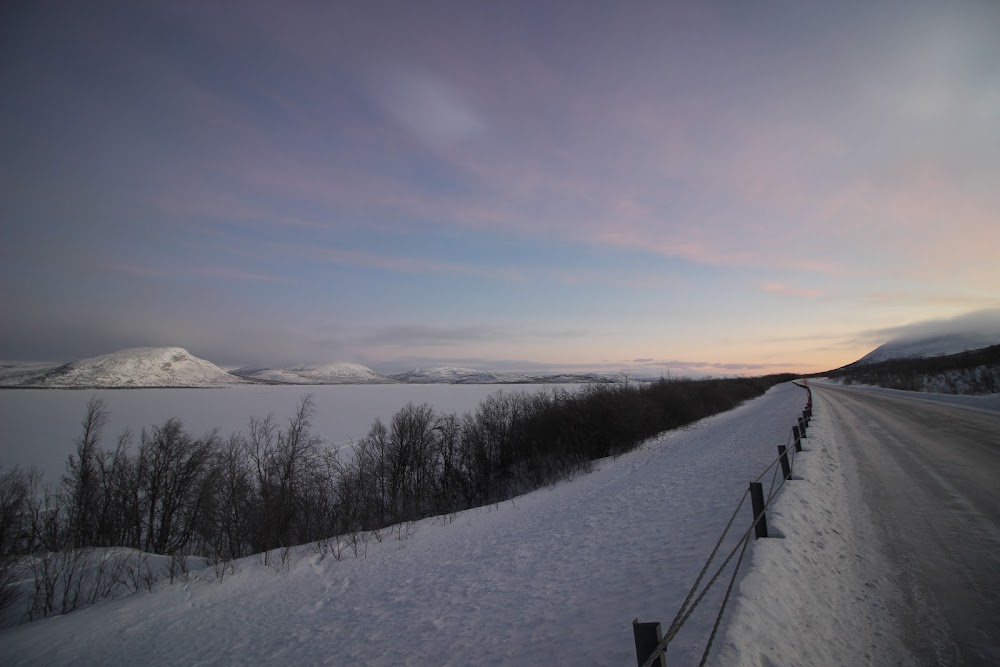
333,373
929,346
138,367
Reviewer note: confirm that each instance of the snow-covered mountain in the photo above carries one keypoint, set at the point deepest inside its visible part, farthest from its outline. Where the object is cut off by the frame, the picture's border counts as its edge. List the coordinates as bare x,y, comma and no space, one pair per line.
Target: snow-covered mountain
176,367
333,373
18,373
457,375
929,346
135,367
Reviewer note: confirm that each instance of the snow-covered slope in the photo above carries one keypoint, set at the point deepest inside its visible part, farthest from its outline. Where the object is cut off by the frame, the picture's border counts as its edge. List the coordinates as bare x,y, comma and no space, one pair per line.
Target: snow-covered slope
554,577
334,373
135,367
931,346
457,375
18,373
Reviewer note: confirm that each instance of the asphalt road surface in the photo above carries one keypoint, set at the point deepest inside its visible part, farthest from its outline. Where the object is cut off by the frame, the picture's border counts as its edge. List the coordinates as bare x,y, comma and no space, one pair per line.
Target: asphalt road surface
930,474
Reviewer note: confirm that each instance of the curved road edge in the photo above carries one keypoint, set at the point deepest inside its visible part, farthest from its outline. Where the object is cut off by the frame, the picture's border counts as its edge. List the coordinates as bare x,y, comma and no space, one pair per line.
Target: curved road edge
929,475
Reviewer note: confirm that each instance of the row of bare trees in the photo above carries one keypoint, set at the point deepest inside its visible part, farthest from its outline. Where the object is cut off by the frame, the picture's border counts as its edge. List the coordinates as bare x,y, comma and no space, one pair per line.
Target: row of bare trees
971,372
276,485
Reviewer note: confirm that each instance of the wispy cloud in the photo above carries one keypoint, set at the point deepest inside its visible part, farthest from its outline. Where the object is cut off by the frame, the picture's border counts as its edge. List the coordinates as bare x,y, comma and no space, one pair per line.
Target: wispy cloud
417,336
980,322
430,108
182,272
960,301
558,150
406,264
236,274
785,290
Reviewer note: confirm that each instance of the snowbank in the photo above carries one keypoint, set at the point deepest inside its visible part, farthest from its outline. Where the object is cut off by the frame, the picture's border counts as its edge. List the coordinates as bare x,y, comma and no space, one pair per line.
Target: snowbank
818,593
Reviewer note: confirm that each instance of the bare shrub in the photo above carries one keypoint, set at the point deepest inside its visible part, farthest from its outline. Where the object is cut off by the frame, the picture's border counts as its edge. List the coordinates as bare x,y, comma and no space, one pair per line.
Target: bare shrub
138,574
178,567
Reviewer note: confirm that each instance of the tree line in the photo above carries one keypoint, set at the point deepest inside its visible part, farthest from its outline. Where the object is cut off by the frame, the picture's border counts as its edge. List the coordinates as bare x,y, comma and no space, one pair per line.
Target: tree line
263,490
972,372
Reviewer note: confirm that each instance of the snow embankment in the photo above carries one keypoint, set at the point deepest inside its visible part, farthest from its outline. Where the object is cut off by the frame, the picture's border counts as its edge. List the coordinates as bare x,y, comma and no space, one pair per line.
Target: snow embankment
554,577
818,591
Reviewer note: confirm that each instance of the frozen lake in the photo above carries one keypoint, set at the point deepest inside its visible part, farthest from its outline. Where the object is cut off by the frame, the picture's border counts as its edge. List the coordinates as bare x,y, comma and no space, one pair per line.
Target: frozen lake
38,427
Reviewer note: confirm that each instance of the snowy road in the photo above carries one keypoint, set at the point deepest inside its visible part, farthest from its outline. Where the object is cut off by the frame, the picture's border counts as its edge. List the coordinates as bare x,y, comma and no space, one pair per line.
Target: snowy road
930,474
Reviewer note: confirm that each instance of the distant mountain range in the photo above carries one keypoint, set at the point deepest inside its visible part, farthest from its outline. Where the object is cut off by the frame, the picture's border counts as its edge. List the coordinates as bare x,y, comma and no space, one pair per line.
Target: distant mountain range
146,367
454,375
336,373
176,367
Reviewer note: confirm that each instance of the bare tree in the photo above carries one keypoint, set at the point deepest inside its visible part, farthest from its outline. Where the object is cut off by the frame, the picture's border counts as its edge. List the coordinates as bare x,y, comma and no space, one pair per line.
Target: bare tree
80,483
17,486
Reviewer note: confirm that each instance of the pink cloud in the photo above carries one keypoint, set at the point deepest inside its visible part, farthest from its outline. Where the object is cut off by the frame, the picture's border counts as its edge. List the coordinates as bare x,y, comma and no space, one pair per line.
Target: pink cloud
785,290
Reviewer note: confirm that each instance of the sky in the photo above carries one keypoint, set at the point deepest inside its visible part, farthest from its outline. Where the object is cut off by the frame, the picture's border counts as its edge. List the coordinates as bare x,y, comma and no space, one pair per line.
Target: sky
720,187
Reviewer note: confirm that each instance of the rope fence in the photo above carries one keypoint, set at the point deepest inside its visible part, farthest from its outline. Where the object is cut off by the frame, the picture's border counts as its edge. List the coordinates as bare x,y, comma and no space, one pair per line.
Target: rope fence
650,642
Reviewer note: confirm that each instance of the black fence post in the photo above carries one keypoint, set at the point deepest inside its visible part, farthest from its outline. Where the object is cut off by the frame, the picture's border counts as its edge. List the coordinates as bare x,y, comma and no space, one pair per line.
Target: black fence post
797,438
647,637
786,469
802,427
757,503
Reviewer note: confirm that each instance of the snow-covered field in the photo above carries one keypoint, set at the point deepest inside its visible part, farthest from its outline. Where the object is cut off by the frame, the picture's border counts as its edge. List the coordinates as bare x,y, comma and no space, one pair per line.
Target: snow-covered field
39,426
554,577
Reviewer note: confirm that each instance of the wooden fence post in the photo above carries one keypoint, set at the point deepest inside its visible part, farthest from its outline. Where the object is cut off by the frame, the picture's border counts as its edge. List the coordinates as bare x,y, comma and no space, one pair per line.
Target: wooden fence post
802,427
786,469
797,438
757,503
647,637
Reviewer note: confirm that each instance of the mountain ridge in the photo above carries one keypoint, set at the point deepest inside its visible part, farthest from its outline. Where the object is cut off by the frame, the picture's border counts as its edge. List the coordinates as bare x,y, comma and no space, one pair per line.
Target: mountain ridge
935,345
151,367
326,373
